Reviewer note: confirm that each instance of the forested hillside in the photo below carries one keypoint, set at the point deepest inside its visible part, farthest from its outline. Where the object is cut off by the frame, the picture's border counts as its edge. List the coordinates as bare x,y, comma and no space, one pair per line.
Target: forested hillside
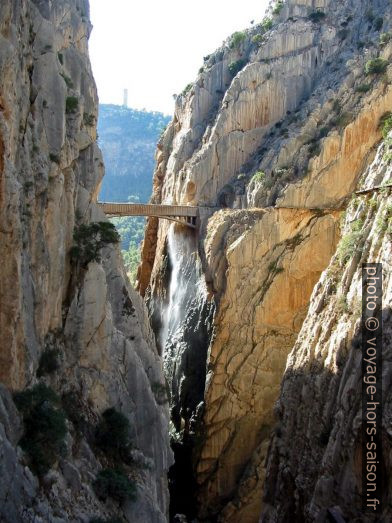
128,140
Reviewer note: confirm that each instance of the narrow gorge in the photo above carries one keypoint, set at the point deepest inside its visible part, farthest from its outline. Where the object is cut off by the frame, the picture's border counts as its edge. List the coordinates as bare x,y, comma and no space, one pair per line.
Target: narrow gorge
227,387
278,131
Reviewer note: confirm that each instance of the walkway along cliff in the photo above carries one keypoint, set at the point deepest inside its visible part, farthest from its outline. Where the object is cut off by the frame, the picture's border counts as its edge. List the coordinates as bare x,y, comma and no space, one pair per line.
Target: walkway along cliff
283,124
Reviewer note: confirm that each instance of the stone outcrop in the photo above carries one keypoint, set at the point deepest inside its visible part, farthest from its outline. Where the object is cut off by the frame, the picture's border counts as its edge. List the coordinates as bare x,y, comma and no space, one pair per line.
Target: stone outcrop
277,130
50,173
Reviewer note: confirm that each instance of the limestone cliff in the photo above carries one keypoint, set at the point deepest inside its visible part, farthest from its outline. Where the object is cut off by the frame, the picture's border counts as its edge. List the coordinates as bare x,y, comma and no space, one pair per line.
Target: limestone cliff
319,412
73,322
277,131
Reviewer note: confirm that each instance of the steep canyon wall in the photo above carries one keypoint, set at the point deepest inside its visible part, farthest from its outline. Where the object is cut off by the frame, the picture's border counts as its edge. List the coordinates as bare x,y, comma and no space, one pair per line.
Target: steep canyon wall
50,171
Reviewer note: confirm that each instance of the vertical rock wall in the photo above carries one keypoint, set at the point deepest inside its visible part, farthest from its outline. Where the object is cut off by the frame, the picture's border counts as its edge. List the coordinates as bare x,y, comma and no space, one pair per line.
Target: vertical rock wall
50,172
314,461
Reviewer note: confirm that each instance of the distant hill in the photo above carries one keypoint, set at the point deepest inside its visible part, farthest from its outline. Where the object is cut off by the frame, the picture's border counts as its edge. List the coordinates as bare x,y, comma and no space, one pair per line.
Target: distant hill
128,139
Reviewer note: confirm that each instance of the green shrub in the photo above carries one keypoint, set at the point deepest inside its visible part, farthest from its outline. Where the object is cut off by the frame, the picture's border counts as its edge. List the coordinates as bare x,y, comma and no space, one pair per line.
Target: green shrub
277,8
323,132
316,16
385,38
236,39
235,67
315,148
387,158
258,39
67,80
376,66
386,124
113,483
363,88
349,245
112,434
48,362
61,58
336,107
266,24
71,104
258,177
384,221
44,426
90,239
186,89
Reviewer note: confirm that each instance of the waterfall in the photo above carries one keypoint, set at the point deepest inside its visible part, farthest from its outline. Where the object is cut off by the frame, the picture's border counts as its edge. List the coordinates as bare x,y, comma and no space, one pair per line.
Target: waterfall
184,283
186,327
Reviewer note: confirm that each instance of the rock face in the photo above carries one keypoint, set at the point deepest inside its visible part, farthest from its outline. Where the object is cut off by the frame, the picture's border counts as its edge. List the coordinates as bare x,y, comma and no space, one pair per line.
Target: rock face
50,172
277,131
319,411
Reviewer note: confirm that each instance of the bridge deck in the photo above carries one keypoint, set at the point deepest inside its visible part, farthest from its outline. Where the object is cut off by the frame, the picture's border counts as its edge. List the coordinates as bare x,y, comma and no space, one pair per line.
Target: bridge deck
148,209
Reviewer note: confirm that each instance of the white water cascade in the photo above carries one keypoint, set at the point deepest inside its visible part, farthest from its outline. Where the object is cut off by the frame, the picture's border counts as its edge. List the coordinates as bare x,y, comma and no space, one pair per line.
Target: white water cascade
183,260
185,325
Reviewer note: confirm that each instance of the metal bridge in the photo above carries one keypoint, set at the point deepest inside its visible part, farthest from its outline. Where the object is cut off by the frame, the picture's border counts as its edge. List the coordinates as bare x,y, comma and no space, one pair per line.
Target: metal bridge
183,214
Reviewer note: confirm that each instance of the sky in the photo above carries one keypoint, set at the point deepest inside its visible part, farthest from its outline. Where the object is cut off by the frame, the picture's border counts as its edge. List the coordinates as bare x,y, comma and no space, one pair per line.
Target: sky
154,48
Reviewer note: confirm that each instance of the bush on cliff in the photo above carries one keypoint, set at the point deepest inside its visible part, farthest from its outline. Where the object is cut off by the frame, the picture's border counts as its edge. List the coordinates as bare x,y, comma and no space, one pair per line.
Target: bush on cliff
385,38
350,244
48,362
317,16
235,67
90,239
236,39
277,8
113,434
186,89
258,177
258,39
113,483
71,104
44,426
266,24
376,66
386,124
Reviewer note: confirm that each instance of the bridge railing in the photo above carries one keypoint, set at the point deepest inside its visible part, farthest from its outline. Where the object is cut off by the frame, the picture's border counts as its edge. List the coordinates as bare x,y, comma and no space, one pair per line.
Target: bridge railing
148,209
